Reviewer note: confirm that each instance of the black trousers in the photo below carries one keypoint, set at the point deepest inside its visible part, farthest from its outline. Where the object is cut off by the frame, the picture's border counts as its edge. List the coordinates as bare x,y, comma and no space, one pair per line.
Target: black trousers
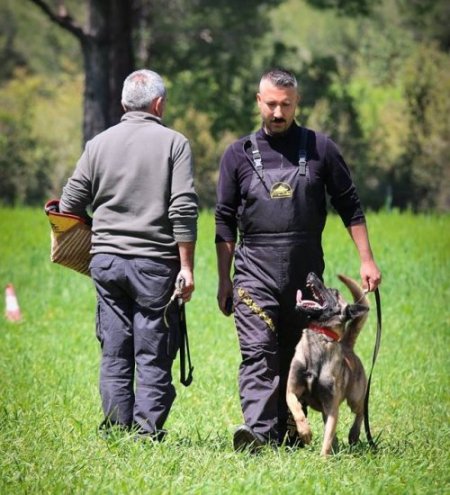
267,276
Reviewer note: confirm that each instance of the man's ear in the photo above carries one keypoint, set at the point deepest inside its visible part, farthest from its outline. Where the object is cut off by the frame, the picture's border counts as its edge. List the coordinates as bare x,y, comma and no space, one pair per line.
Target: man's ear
353,311
158,106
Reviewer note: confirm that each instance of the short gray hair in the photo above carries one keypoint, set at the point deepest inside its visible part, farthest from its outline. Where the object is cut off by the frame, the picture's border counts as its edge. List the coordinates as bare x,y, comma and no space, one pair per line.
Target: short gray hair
280,78
140,88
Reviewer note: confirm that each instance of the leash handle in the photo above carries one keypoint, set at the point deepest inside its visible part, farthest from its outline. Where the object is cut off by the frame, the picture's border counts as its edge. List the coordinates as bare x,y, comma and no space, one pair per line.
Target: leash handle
370,439
180,283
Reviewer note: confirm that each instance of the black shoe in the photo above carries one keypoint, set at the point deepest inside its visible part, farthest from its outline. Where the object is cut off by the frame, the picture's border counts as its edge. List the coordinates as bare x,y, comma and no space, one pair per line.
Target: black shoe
143,434
157,437
110,430
246,439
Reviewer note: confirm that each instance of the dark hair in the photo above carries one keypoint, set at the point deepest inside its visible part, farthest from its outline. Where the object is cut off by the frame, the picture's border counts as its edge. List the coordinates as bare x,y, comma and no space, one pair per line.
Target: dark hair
280,77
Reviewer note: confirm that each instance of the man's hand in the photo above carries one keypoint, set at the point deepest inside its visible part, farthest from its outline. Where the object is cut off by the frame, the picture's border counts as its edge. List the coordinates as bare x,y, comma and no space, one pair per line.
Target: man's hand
369,271
225,296
187,288
186,250
370,275
225,253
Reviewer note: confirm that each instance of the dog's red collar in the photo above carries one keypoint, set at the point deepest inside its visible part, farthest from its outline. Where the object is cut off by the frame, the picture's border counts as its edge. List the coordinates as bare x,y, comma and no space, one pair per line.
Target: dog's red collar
325,331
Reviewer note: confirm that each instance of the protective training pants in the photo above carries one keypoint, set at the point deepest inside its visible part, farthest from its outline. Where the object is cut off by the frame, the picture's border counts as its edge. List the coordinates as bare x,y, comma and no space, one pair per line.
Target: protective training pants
267,276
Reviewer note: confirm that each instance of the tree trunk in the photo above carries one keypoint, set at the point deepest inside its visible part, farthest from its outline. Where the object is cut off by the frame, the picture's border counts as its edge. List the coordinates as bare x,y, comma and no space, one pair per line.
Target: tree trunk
108,59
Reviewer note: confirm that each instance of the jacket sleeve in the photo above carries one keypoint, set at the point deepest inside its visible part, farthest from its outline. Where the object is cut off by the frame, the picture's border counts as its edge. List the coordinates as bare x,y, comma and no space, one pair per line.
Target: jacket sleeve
183,206
228,198
343,194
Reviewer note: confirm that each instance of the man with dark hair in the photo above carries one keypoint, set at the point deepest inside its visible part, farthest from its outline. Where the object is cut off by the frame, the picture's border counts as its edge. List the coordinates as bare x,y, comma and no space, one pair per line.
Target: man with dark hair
137,178
272,189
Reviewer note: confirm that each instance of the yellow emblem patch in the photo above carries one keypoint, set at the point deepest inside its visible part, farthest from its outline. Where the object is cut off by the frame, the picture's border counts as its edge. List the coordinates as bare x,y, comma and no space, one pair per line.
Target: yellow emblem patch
245,297
281,190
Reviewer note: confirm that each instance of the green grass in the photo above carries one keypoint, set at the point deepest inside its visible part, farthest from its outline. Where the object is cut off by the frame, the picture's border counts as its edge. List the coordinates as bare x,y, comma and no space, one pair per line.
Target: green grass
50,408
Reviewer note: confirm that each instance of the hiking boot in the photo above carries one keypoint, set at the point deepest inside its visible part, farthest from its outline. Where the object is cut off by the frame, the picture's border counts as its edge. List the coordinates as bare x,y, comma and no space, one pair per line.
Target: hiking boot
246,439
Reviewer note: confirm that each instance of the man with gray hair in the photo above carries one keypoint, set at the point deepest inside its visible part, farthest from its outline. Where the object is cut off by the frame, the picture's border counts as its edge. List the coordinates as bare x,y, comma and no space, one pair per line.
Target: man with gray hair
137,178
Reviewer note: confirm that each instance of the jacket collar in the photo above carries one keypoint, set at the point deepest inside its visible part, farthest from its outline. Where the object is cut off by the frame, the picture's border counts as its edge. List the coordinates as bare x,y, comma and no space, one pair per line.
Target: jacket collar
139,116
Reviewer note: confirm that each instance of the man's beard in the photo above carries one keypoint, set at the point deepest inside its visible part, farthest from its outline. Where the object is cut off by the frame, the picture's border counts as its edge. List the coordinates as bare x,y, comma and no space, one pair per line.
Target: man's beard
276,132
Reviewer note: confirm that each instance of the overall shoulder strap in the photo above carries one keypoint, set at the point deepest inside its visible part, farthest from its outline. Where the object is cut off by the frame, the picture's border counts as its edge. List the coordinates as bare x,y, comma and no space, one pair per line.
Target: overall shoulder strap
256,155
256,160
302,151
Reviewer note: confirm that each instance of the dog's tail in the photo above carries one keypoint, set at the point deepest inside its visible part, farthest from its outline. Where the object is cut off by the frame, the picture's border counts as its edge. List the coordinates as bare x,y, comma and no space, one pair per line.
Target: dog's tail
360,309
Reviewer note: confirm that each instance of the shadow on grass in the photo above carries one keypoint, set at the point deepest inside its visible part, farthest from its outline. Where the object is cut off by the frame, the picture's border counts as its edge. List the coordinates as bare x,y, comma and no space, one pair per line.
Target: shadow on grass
221,442
381,447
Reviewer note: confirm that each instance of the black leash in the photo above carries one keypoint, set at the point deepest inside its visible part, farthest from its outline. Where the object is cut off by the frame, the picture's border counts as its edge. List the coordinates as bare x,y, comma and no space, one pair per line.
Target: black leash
184,349
374,358
182,333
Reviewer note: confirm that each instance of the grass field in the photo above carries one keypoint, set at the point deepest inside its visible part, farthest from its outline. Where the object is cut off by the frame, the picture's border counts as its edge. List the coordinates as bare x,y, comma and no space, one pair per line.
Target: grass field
50,408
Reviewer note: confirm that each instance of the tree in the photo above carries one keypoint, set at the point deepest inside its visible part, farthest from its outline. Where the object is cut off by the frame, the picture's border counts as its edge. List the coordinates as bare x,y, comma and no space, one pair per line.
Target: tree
24,162
346,7
210,51
205,50
425,169
106,45
207,45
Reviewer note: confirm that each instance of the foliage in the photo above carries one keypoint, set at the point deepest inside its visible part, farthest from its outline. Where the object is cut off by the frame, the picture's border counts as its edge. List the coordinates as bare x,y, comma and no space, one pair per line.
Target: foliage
427,90
373,75
196,126
50,408
60,130
428,21
346,7
208,49
38,143
380,93
24,166
28,40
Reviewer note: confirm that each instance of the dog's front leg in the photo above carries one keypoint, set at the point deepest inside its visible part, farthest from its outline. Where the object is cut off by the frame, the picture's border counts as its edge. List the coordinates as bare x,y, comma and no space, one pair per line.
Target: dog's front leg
295,406
330,419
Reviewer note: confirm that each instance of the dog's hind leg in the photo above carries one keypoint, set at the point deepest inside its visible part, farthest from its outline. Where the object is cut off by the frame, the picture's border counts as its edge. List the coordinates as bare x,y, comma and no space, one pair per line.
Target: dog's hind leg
358,410
330,415
355,401
355,430
295,406
335,442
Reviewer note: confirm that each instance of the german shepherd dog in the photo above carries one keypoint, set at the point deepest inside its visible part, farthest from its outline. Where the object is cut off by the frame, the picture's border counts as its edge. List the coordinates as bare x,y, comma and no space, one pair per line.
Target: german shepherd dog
325,370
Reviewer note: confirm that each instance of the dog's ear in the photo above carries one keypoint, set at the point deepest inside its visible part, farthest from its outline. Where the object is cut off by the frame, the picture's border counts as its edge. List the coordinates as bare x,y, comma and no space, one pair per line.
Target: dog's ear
353,311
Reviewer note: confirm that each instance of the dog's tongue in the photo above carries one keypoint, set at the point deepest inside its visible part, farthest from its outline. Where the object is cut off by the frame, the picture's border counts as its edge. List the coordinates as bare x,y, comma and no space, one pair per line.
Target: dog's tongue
306,303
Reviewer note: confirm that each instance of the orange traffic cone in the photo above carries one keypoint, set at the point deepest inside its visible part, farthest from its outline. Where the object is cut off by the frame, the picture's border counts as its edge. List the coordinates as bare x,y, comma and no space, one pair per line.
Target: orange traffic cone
12,306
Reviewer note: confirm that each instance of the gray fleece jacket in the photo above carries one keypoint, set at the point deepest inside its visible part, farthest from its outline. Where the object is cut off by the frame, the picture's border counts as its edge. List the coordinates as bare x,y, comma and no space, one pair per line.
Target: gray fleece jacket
137,177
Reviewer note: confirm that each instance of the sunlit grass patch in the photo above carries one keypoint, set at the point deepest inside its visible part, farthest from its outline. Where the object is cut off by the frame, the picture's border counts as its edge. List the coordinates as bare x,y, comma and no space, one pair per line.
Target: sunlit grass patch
50,407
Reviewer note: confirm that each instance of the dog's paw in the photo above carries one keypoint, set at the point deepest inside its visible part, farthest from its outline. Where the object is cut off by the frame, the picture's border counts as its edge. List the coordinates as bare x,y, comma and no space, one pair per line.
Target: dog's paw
353,436
304,432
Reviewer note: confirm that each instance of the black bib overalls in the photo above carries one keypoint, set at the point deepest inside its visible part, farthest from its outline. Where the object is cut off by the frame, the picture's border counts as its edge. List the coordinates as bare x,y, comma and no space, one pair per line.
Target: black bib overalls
280,229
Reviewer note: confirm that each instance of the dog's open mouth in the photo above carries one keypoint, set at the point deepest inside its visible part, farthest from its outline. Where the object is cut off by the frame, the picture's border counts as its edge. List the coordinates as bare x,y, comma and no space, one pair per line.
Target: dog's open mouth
309,305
